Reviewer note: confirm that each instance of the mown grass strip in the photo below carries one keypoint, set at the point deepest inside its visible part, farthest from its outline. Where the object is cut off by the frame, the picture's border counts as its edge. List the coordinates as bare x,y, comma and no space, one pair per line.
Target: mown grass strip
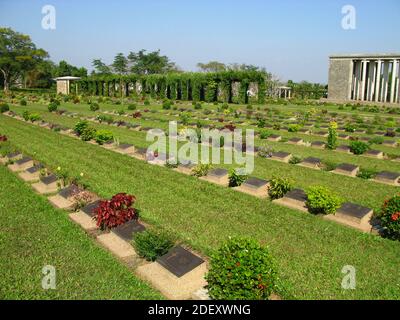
310,252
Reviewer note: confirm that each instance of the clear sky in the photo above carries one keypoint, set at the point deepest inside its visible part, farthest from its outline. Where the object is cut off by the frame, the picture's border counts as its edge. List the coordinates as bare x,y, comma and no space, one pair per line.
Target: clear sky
290,38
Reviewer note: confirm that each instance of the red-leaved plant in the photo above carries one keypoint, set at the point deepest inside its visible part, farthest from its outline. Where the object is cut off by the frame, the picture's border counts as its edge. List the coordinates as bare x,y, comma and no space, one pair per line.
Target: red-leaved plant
112,213
3,138
136,114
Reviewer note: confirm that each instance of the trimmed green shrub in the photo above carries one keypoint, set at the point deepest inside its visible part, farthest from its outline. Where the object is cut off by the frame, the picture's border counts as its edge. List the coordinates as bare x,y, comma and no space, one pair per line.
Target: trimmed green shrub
278,187
80,126
146,102
358,147
264,134
321,200
293,127
349,127
94,106
366,174
151,244
53,106
103,136
390,217
4,107
132,106
34,117
201,170
198,106
241,269
167,104
23,102
88,134
25,115
236,179
295,160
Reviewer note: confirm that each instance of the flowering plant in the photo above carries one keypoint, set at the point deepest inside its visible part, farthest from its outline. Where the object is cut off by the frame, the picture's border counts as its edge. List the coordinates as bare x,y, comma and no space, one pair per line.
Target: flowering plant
390,217
112,213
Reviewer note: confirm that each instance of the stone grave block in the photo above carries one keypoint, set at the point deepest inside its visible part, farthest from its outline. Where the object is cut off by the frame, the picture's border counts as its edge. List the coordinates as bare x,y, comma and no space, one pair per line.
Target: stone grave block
387,177
21,164
117,246
318,144
295,141
158,159
311,162
359,131
31,174
185,168
390,143
65,197
218,176
343,148
48,184
365,139
254,186
128,229
14,156
347,169
353,215
179,261
274,137
281,156
108,145
125,148
321,133
374,154
344,136
170,285
304,131
380,133
295,199
140,153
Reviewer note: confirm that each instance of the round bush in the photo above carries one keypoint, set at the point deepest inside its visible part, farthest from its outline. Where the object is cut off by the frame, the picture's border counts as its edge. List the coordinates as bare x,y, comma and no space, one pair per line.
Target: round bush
132,106
94,106
52,106
390,217
358,147
278,187
4,107
321,200
241,270
103,136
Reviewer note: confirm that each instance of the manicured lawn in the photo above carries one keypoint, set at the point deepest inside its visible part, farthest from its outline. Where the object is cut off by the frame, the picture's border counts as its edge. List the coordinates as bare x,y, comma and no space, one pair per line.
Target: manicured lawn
357,190
33,234
310,252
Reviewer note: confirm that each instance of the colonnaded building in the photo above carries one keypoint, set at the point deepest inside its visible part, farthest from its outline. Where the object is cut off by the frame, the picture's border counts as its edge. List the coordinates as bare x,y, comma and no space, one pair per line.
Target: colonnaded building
364,77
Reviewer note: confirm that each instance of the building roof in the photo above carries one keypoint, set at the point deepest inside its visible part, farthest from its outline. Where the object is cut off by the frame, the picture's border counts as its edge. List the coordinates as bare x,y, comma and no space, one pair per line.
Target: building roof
366,56
67,78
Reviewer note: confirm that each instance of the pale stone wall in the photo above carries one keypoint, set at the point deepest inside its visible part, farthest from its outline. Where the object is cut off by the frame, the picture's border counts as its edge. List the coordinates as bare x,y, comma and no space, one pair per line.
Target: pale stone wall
63,86
340,76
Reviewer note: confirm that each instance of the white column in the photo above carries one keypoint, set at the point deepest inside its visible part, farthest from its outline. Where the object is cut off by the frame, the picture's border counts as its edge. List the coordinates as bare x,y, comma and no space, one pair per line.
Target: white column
364,79
385,86
378,81
371,80
356,80
393,84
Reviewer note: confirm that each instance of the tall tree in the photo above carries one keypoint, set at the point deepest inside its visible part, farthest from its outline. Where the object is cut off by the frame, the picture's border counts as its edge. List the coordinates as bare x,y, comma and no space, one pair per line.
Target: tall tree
120,64
66,69
150,63
18,55
212,66
100,67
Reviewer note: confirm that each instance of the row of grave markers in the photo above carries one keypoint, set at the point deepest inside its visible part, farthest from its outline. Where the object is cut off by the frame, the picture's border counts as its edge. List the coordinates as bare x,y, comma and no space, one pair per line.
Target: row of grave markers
385,177
179,274
349,214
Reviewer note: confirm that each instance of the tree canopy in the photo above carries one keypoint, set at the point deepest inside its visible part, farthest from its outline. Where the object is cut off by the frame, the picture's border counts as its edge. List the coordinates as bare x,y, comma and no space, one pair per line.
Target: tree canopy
18,56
